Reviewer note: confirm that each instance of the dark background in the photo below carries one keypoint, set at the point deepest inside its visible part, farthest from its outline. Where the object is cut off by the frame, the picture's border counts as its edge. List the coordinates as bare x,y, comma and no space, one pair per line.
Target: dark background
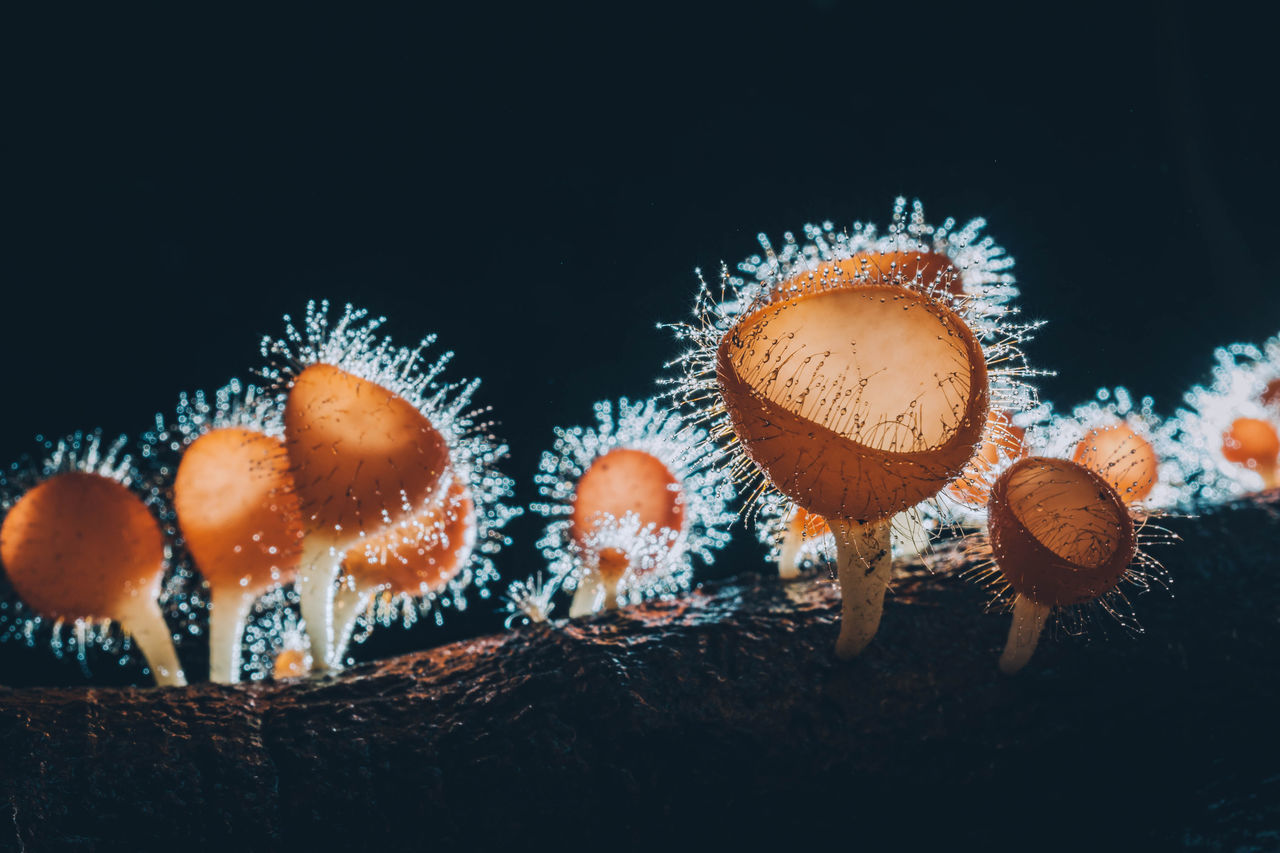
537,187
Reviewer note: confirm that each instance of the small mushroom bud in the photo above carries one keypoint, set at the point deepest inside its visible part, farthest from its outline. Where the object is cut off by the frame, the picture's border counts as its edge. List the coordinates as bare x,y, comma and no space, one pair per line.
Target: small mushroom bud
81,545
1061,535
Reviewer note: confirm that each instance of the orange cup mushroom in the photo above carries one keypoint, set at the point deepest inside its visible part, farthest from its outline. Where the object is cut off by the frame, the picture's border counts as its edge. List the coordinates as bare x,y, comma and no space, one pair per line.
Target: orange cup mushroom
801,526
363,458
80,545
240,517
414,558
1254,444
1126,460
858,401
1061,535
621,482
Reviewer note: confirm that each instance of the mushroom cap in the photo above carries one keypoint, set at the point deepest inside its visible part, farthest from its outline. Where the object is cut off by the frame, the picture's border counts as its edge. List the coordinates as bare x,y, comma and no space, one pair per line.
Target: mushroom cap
932,268
857,400
424,554
1002,438
238,510
1251,442
360,454
807,524
1059,532
1126,460
82,546
625,480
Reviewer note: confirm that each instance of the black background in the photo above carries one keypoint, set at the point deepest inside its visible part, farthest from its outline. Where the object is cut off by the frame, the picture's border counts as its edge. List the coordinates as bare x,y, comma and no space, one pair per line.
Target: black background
538,185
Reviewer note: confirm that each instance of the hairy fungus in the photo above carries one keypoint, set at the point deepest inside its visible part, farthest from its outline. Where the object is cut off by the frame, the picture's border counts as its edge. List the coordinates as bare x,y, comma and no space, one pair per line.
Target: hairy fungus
858,399
1060,535
80,545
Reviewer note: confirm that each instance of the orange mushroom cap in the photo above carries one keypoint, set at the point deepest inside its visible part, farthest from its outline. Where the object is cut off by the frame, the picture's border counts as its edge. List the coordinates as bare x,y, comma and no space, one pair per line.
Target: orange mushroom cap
624,481
1059,532
82,546
1251,442
859,400
807,524
932,268
238,510
360,454
429,552
289,663
1126,460
1271,394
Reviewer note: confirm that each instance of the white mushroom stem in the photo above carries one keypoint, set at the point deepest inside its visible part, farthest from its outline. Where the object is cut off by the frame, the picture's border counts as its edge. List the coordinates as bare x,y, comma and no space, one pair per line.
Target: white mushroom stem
229,610
1270,476
349,602
789,551
864,560
1024,633
145,624
321,563
594,594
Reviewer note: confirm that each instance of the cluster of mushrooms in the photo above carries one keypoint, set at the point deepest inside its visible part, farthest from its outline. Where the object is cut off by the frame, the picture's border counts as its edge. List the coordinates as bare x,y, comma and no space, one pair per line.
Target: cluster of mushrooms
863,391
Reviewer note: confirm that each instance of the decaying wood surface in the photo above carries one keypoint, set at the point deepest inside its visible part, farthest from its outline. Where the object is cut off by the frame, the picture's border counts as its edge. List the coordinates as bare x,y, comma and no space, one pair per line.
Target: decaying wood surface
722,718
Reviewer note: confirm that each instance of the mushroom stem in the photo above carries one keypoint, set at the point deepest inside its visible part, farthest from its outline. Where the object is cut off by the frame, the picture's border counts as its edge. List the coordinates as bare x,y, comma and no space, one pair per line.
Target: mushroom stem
593,589
864,559
151,634
1270,476
319,570
349,602
229,610
1024,633
789,552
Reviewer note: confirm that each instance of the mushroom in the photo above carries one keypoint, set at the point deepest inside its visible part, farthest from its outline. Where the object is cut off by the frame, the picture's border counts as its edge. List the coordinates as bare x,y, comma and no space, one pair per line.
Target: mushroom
1060,535
374,444
236,508
78,543
631,502
858,399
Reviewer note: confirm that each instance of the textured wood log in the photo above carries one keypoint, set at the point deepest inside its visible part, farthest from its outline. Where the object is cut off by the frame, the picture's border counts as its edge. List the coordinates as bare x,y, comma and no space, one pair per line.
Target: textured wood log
723,717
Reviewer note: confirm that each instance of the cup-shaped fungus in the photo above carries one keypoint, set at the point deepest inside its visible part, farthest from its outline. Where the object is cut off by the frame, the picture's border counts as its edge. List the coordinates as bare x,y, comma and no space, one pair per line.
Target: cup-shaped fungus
858,399
630,503
374,443
78,543
1229,430
236,507
1060,535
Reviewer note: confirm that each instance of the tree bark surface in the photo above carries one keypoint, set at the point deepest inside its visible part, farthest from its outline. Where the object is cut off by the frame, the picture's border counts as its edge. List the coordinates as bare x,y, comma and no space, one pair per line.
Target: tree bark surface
721,718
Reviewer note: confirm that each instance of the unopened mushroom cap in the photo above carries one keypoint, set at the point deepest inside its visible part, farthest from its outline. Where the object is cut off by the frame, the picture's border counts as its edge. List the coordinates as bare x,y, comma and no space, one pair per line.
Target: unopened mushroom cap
238,510
427,552
625,480
1059,532
1251,442
80,545
1126,460
1001,438
360,454
858,401
807,524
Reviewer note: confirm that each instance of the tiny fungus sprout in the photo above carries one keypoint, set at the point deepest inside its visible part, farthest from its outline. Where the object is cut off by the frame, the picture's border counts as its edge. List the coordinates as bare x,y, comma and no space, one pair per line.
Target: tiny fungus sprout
1229,428
236,507
858,389
79,543
630,502
376,444
275,641
1060,536
1127,444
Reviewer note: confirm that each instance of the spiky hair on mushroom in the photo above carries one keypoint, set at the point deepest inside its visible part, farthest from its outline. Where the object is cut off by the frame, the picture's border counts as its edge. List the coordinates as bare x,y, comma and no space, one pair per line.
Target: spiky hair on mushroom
397,475
237,515
1061,542
1229,428
928,420
275,641
630,503
1127,443
977,266
109,591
